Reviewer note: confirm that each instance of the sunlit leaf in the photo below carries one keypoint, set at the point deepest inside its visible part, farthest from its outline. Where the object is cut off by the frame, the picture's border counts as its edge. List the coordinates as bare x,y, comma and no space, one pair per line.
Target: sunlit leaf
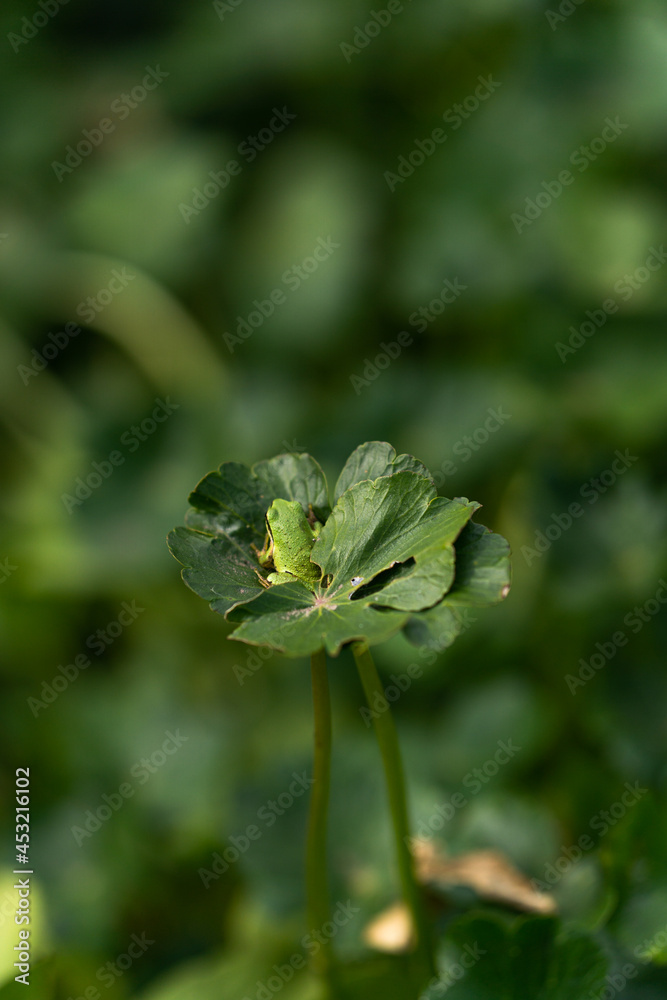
392,553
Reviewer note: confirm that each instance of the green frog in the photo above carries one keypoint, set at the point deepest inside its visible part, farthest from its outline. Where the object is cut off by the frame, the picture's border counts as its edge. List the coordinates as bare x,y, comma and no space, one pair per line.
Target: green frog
291,536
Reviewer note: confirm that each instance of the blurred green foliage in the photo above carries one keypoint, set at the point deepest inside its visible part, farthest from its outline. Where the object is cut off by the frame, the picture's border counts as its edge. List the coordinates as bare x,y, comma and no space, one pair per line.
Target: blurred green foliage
160,335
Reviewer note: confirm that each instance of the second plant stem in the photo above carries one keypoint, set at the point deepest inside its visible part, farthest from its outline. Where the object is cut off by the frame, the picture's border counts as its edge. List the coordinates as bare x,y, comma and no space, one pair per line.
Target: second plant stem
387,738
317,886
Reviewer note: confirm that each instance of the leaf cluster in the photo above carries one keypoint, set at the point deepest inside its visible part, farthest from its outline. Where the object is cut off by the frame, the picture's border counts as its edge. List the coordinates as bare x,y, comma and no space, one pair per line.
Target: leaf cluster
389,554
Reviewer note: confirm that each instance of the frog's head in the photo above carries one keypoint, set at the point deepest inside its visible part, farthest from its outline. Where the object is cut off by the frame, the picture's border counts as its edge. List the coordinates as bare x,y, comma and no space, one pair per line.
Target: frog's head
281,514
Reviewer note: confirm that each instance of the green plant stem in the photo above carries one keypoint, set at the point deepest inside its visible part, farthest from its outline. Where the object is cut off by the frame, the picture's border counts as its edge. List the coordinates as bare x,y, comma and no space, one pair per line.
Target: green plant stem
317,885
387,738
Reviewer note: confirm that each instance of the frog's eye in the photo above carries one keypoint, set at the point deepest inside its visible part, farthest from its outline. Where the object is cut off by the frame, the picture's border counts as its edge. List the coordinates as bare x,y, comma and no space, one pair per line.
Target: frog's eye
356,580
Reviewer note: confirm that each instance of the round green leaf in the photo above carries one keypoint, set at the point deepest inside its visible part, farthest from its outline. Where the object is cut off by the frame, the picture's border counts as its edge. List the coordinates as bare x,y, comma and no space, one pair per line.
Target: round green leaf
372,460
390,555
